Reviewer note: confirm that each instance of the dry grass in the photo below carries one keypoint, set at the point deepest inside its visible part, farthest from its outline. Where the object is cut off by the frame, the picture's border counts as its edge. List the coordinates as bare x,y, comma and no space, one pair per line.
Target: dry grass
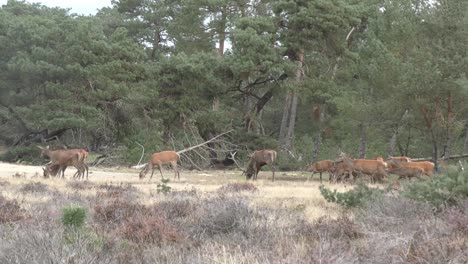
215,217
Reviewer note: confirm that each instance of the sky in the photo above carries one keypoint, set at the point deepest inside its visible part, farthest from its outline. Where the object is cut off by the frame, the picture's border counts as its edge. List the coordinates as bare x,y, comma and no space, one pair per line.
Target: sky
81,7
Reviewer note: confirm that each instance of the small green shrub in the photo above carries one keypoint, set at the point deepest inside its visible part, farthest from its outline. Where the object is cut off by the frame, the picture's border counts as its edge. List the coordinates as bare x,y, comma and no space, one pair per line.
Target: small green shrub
163,187
442,189
73,216
356,197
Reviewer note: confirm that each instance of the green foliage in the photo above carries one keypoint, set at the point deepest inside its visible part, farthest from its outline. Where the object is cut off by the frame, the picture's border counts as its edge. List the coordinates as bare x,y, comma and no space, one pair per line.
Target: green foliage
29,154
73,216
440,190
358,196
163,187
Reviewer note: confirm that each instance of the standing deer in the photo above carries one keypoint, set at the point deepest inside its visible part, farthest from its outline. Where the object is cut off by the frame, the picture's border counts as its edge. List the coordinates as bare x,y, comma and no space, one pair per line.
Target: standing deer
258,159
321,166
161,158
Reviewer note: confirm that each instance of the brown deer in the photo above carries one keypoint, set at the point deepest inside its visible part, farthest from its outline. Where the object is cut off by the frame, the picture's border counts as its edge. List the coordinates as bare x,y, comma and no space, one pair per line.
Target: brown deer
341,171
61,159
258,159
321,166
392,165
374,168
426,166
161,158
407,172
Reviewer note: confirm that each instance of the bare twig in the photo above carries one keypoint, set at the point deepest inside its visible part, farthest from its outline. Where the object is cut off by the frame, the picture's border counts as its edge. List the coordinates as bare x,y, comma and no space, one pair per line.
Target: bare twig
142,152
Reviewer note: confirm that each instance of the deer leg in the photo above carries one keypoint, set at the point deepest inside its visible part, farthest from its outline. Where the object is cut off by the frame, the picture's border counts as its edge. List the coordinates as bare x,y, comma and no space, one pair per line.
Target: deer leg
320,177
152,172
160,171
176,170
273,169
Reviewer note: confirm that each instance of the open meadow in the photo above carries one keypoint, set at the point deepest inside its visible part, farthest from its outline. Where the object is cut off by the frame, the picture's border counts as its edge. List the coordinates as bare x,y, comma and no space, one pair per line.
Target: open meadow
212,217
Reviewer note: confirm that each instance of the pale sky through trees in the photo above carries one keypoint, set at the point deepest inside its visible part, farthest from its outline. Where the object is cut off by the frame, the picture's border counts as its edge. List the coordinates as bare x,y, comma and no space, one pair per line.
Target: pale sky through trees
82,7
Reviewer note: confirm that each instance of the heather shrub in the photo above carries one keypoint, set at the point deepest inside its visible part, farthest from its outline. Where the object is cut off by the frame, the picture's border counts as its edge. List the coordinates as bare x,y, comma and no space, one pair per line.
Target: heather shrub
34,187
457,216
73,216
175,208
146,229
442,189
110,212
126,191
238,187
222,215
10,211
80,185
356,197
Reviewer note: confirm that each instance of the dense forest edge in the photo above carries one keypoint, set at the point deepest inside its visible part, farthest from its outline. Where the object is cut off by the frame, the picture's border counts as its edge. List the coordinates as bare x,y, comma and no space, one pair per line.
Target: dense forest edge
308,78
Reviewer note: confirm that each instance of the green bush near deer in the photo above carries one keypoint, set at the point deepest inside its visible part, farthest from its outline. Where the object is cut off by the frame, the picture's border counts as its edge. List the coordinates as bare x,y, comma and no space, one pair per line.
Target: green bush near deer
358,196
440,190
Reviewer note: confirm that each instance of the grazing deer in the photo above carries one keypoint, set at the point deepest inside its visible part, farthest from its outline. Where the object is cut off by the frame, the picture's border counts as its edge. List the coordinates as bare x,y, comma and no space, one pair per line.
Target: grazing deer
321,166
258,159
61,159
161,158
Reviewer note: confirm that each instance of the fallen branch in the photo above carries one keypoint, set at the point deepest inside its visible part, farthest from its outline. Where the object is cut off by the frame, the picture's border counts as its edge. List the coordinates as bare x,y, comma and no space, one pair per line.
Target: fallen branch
188,149
204,143
448,158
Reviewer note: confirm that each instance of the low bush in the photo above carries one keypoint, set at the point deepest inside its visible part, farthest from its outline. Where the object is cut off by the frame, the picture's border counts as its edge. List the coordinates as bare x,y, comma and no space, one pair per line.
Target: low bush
34,187
356,197
149,229
440,190
126,191
222,215
80,185
10,211
238,187
73,216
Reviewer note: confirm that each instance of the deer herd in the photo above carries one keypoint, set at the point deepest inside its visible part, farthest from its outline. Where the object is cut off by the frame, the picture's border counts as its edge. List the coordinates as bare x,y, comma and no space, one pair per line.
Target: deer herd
341,169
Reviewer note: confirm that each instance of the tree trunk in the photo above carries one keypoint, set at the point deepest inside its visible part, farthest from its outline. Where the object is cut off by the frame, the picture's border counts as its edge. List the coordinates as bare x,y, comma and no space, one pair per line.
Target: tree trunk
363,141
448,141
393,139
288,123
292,122
284,120
317,146
465,145
222,31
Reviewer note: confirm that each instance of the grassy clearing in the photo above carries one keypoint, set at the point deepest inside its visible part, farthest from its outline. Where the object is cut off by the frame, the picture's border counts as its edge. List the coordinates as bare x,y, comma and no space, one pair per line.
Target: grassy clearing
215,217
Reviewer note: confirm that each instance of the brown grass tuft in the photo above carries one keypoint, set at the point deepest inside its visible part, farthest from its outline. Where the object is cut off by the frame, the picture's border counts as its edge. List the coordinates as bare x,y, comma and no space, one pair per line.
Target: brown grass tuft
10,211
238,187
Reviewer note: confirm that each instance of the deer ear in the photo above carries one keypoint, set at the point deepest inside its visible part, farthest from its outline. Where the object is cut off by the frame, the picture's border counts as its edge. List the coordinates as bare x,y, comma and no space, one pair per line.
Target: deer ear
47,147
39,147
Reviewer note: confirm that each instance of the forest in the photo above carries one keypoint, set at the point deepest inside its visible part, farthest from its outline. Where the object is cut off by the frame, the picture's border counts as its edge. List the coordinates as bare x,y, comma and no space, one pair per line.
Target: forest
307,78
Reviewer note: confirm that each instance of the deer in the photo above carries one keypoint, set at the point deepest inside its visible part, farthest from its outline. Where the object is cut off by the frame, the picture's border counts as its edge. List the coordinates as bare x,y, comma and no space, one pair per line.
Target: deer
258,159
339,170
321,166
374,168
426,166
407,172
401,159
161,158
61,159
